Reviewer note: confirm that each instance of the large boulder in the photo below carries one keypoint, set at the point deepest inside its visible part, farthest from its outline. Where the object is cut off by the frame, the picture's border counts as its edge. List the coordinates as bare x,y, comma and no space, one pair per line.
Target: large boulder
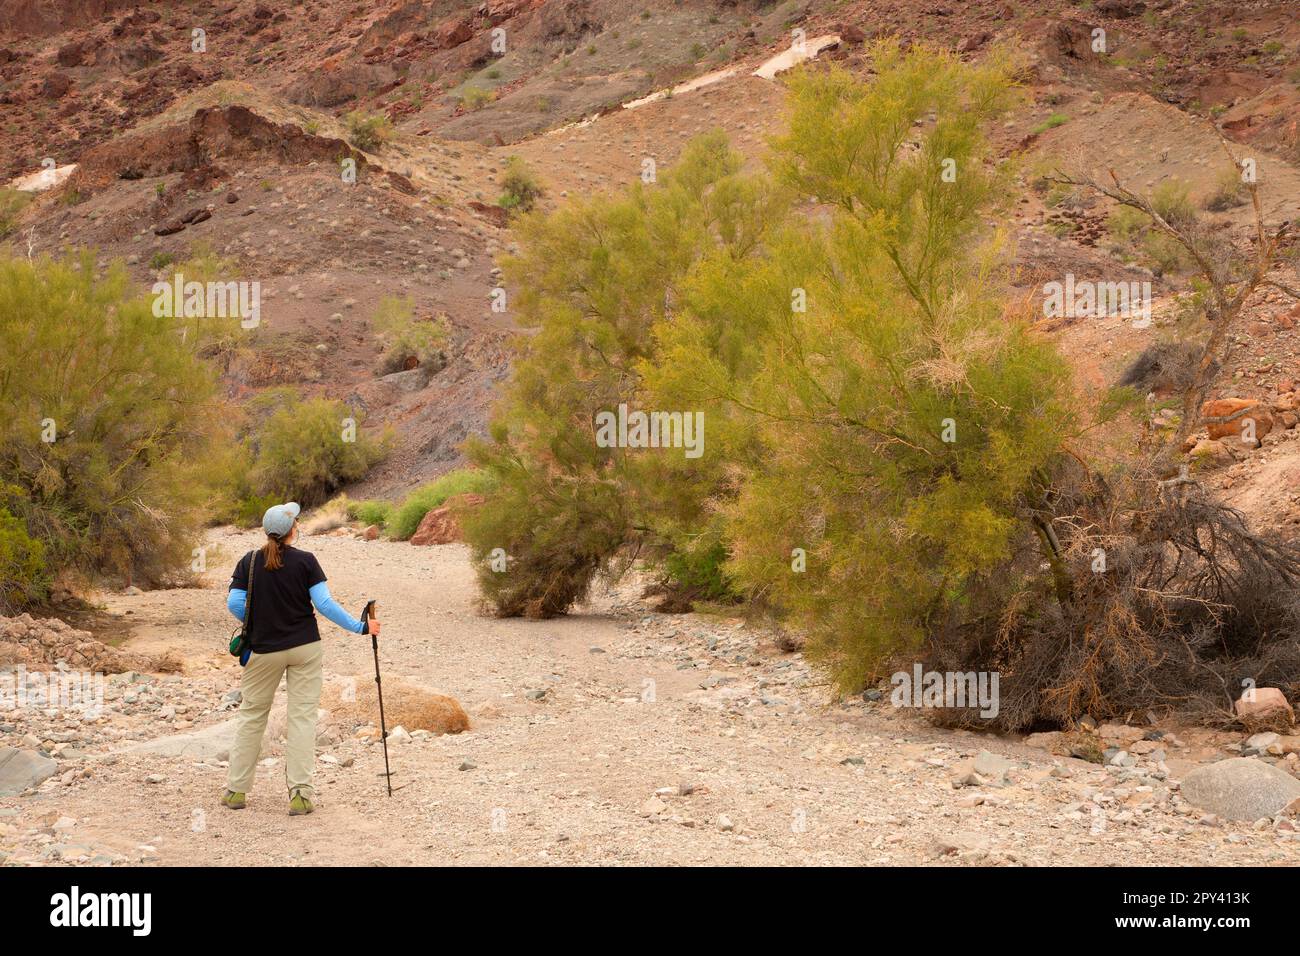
1265,707
440,525
1228,418
210,742
22,769
1241,788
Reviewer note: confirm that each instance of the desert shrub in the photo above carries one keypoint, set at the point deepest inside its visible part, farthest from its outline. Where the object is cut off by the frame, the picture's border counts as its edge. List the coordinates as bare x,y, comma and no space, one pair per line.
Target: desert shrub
1133,233
111,421
520,188
333,514
369,133
1229,192
1052,122
696,574
405,518
24,575
474,98
595,280
1168,601
680,297
370,512
305,449
555,537
1171,200
1163,366
12,202
1126,224
408,341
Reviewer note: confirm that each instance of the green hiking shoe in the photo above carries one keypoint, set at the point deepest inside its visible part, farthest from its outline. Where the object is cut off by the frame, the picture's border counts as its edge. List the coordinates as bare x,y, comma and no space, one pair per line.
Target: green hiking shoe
233,801
299,804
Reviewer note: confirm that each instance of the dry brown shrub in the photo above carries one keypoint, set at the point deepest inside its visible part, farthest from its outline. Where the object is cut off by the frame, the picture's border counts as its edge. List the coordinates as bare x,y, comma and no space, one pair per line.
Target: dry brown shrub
1192,604
405,705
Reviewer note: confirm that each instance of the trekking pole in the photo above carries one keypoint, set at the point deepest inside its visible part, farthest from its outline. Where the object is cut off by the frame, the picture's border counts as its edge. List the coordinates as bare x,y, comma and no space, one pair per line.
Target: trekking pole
371,608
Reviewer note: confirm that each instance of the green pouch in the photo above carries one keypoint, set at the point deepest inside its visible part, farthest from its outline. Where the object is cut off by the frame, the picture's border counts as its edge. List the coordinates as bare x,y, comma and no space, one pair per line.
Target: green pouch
242,641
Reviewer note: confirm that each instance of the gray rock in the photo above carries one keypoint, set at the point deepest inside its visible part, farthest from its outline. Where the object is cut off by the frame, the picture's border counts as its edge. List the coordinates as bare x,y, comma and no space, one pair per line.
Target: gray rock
1240,788
991,765
201,744
23,769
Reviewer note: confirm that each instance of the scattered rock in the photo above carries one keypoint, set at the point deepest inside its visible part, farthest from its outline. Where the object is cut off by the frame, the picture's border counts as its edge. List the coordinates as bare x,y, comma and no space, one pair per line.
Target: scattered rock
23,769
1240,788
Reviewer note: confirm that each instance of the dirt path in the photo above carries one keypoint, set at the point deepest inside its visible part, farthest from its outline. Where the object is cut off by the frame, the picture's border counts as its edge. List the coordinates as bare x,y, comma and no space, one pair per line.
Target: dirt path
753,764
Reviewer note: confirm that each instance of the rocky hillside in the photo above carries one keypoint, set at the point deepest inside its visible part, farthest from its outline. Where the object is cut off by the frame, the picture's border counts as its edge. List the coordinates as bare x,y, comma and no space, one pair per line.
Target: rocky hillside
150,130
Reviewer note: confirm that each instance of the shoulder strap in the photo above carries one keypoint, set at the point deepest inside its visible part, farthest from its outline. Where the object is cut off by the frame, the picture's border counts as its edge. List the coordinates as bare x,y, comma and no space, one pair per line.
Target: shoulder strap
248,604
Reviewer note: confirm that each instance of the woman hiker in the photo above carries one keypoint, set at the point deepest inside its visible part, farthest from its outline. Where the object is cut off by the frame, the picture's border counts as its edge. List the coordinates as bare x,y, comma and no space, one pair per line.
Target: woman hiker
287,583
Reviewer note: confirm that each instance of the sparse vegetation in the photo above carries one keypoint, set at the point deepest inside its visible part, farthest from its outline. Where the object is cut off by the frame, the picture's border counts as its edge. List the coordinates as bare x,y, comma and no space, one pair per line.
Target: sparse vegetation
520,187
408,342
98,480
12,203
474,98
1052,122
1229,192
404,519
368,132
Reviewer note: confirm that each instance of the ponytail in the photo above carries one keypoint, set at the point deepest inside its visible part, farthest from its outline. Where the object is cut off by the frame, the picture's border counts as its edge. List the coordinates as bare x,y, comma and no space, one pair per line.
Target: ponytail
273,552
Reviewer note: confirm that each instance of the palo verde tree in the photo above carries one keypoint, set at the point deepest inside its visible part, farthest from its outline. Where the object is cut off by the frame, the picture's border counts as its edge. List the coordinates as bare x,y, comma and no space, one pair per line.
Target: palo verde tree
909,424
595,280
111,418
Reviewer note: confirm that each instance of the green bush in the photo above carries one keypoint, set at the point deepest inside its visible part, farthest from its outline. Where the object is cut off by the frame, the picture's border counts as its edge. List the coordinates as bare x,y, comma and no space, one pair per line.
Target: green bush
408,342
24,576
368,132
303,450
1171,200
12,202
111,421
404,519
1135,233
521,190
474,98
370,512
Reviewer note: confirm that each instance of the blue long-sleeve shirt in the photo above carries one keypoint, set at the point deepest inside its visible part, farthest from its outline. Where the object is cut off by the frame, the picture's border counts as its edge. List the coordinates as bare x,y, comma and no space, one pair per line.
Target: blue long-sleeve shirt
237,599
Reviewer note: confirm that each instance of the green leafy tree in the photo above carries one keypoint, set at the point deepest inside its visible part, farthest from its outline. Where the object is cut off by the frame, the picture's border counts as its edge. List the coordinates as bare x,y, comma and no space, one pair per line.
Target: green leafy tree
881,431
304,450
111,421
594,280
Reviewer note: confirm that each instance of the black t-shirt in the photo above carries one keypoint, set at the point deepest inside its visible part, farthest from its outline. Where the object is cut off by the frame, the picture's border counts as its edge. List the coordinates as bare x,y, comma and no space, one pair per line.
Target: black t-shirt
282,614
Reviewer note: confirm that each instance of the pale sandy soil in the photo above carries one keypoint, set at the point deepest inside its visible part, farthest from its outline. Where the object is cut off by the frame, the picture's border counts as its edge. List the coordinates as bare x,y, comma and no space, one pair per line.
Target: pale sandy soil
748,730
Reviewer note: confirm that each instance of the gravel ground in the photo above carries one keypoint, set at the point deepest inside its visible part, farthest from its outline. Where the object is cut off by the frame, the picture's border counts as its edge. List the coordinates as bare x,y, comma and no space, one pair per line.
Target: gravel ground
658,740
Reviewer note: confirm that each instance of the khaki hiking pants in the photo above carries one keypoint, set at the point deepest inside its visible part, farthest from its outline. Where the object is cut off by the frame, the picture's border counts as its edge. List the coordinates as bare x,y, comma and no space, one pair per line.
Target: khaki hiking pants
301,668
